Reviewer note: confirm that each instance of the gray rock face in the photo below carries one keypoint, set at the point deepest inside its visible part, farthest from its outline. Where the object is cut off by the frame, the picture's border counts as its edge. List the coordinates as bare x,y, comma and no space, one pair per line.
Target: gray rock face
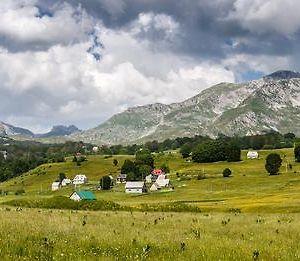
59,130
9,130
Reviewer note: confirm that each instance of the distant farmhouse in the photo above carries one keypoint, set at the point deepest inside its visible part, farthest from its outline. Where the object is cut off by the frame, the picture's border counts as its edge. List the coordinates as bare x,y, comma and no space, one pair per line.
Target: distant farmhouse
121,178
135,187
252,154
66,182
157,172
80,179
155,187
162,181
82,195
56,186
4,153
95,149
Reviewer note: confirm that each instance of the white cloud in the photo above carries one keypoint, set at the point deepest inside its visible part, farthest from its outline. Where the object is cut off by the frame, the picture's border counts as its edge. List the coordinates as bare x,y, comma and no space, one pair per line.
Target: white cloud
150,21
263,16
64,84
20,21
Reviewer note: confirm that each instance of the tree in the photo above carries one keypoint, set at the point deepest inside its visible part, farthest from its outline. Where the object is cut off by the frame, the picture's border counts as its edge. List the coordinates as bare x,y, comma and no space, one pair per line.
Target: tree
273,163
289,136
144,157
227,172
186,150
165,168
210,151
233,152
128,166
142,171
131,176
297,152
61,177
105,182
115,162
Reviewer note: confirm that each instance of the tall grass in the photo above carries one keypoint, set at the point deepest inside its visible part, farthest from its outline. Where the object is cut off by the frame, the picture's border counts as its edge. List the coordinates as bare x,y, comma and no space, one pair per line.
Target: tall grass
40,234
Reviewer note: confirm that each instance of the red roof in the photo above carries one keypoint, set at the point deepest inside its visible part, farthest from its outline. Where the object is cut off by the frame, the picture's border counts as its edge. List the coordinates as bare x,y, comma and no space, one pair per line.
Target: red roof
157,172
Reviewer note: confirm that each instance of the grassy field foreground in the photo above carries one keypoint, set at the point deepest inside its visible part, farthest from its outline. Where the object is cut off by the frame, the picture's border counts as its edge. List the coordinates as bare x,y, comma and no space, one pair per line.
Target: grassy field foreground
69,235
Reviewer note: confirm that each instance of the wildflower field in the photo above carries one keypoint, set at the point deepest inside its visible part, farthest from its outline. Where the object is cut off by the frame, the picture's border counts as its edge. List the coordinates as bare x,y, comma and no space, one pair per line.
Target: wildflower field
39,234
248,216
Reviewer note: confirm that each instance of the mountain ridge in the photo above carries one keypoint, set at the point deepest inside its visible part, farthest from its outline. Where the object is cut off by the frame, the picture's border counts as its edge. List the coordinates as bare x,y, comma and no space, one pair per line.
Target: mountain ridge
248,108
229,108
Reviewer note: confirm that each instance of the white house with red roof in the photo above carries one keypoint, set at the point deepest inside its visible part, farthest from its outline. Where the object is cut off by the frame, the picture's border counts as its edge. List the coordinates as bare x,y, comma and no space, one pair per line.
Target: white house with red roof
157,172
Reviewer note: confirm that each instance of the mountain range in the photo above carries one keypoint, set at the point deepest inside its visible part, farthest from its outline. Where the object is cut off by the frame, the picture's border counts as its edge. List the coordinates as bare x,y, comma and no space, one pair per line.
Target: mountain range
56,131
269,103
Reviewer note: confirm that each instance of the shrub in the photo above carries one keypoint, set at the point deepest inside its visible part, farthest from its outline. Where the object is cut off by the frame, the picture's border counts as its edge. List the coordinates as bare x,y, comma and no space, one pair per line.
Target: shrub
273,163
20,192
226,172
105,183
297,152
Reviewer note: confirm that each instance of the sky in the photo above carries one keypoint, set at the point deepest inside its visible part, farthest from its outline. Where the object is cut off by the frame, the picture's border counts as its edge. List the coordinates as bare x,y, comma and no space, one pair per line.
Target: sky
80,62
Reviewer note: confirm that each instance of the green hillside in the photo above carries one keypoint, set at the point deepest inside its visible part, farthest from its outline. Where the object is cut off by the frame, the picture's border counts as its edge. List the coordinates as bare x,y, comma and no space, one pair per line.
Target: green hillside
250,188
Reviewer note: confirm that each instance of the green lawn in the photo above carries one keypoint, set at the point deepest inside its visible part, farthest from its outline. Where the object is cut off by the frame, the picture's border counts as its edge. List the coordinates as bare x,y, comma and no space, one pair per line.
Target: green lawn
250,188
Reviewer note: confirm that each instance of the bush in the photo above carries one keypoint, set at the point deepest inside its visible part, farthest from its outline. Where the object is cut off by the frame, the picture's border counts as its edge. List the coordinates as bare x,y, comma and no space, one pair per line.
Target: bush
273,163
226,173
105,183
20,192
297,152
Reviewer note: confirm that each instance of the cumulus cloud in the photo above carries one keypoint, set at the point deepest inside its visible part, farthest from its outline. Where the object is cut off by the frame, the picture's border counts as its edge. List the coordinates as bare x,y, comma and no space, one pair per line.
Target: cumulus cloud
62,62
263,16
22,25
66,84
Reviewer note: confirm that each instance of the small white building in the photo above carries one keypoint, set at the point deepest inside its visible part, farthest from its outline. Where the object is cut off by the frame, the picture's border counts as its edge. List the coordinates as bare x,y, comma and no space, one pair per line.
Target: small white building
82,195
148,179
80,179
121,178
252,154
95,149
155,187
56,186
66,182
135,187
163,182
4,153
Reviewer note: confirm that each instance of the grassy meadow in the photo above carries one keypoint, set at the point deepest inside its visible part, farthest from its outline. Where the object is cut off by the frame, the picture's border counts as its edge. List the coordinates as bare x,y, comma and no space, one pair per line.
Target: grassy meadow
248,216
69,235
250,188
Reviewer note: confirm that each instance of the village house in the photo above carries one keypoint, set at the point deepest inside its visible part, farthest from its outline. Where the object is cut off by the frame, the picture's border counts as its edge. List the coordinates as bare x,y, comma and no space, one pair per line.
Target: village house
155,187
95,149
162,181
135,187
80,179
56,186
4,153
149,179
121,178
252,154
157,172
66,182
82,195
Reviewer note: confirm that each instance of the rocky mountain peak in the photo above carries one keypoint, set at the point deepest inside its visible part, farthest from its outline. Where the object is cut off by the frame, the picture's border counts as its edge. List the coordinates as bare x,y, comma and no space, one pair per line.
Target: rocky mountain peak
282,75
